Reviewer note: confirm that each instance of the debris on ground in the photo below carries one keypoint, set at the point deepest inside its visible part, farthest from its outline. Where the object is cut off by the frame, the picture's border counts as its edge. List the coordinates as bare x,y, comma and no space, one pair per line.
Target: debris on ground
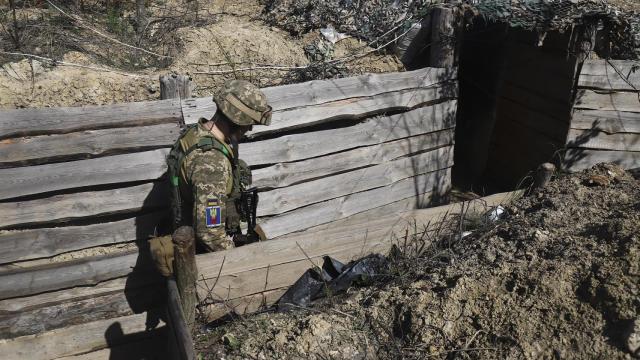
557,276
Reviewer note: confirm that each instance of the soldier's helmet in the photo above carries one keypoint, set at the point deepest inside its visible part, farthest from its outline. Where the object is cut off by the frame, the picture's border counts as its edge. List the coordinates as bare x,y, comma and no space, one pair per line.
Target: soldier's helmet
243,103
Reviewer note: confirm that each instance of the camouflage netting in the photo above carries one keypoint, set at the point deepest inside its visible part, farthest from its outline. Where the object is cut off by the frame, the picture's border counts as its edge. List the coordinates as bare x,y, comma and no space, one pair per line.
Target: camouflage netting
382,19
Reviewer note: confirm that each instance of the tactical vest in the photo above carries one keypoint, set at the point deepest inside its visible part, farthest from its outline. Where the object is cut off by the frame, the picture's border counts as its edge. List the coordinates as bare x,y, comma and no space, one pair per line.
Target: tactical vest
181,195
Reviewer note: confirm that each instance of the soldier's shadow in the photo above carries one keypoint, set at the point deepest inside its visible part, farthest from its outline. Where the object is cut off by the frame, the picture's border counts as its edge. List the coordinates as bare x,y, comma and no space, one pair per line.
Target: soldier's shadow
145,288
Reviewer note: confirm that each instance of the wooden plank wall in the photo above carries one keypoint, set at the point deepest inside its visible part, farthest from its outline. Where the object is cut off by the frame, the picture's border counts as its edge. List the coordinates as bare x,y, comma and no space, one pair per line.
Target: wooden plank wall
533,106
606,118
83,188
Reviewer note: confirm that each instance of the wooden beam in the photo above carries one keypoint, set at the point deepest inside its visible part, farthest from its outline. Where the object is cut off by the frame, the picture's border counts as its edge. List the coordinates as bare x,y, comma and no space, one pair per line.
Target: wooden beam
47,242
186,273
616,101
372,131
179,331
438,182
354,108
147,348
85,144
318,92
281,200
17,182
352,233
616,75
286,174
79,339
87,271
82,205
78,310
344,234
593,139
29,122
610,122
323,91
577,159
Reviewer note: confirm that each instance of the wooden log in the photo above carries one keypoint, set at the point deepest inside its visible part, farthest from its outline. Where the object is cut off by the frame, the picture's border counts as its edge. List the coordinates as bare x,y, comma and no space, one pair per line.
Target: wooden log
173,86
443,37
180,332
29,122
88,271
346,233
438,182
577,159
17,182
318,92
323,91
615,75
50,316
85,144
286,174
352,233
47,242
242,306
279,201
78,339
354,108
147,348
617,101
82,205
186,273
593,139
609,122
373,131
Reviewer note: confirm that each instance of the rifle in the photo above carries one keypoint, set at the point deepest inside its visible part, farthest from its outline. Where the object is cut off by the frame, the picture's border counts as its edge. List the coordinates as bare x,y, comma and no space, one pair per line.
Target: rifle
248,208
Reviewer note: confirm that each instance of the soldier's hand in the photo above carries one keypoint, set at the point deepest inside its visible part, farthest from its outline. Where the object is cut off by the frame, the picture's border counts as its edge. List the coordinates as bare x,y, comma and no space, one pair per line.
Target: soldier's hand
162,254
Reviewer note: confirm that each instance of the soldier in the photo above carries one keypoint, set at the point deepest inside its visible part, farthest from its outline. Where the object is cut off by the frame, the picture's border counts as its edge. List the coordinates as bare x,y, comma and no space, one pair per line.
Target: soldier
206,175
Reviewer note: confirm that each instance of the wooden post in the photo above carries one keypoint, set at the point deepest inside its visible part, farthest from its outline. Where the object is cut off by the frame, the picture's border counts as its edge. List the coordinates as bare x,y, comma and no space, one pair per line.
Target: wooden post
442,38
175,86
180,342
543,176
186,272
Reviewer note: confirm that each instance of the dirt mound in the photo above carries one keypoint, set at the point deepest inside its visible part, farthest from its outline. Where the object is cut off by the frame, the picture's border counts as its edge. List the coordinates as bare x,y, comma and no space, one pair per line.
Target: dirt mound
226,40
557,277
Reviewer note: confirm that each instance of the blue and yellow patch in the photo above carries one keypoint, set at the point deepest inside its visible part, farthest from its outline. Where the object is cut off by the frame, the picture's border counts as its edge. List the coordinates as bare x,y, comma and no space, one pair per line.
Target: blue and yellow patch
212,213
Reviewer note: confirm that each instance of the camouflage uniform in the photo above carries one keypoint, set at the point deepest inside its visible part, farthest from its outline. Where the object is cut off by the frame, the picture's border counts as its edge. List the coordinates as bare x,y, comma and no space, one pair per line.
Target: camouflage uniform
207,184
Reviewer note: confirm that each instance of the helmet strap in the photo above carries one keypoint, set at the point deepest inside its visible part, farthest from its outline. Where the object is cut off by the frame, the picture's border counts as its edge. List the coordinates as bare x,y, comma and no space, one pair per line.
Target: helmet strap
236,152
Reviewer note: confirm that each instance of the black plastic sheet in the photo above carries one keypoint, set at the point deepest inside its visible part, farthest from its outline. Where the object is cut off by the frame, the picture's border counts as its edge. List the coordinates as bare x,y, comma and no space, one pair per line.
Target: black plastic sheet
333,277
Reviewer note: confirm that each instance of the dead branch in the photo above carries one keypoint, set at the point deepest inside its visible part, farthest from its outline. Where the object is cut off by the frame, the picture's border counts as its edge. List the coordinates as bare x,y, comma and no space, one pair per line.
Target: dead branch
81,23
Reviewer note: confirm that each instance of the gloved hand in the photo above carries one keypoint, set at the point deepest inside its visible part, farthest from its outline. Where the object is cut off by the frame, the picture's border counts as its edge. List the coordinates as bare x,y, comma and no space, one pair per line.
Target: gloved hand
162,254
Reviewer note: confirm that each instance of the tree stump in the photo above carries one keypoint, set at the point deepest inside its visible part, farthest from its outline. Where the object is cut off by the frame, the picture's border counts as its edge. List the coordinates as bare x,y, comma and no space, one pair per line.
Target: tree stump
175,86
186,272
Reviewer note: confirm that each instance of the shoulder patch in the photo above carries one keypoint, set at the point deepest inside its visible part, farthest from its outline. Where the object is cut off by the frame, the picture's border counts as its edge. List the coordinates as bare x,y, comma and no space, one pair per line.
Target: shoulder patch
212,213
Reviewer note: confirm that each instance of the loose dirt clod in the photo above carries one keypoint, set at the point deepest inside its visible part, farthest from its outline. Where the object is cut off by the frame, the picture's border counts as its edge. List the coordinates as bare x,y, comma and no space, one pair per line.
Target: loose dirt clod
557,277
